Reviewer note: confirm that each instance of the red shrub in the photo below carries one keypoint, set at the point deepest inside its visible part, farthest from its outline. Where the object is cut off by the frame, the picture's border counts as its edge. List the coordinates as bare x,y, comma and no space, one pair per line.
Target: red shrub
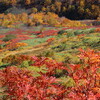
2,36
97,29
86,76
50,39
52,65
48,33
22,85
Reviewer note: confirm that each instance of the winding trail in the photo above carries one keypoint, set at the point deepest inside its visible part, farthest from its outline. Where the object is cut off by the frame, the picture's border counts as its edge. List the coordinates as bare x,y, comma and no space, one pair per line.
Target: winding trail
36,48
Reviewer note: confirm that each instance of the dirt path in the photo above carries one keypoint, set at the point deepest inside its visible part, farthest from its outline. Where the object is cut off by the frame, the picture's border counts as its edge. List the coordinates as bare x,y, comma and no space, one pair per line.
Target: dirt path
18,52
36,48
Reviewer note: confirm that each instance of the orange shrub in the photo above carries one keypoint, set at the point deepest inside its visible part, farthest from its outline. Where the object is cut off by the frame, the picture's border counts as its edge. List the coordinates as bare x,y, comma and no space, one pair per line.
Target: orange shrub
50,39
97,30
21,44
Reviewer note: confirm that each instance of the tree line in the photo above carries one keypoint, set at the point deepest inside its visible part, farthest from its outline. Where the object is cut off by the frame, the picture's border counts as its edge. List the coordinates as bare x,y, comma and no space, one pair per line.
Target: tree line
73,9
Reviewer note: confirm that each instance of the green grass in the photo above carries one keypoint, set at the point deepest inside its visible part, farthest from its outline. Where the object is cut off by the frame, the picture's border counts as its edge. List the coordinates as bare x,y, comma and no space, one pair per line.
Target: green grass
5,30
36,41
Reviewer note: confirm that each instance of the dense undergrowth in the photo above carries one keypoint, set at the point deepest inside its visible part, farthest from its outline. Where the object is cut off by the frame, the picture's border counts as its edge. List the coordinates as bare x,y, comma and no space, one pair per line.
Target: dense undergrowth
60,71
44,78
45,57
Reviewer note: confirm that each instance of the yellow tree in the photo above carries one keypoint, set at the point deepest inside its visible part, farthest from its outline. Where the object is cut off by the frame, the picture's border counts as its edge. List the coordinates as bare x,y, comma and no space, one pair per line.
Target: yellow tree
9,2
53,8
95,10
58,6
47,2
43,9
82,3
64,9
81,10
81,7
27,2
34,10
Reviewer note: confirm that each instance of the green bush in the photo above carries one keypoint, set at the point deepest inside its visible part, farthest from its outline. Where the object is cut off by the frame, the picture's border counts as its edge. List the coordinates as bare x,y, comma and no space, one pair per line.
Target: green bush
47,53
92,41
60,73
77,32
85,31
37,70
60,47
90,30
67,81
2,46
61,32
70,31
24,64
70,34
9,37
1,63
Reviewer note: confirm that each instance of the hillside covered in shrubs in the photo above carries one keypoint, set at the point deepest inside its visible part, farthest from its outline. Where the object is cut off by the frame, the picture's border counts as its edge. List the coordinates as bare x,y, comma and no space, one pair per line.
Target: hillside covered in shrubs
44,55
50,63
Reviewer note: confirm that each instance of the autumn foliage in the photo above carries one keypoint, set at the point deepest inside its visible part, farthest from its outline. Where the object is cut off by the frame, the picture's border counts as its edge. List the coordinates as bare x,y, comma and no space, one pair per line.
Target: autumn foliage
34,19
22,84
87,9
15,59
50,40
86,76
97,30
